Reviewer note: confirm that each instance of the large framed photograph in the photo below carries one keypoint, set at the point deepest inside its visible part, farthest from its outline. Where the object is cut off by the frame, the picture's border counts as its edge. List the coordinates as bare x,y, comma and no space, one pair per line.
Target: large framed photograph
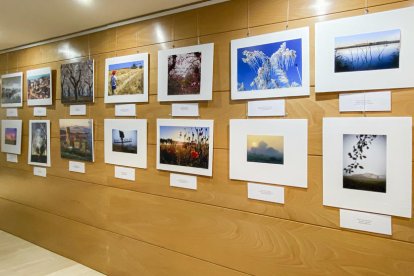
76,139
185,146
39,143
11,136
77,82
270,65
273,151
126,79
39,87
367,164
186,74
126,142
372,51
11,90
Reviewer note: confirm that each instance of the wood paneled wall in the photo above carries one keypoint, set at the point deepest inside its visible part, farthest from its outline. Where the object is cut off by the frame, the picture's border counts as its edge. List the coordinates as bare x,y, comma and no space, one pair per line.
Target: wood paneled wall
148,228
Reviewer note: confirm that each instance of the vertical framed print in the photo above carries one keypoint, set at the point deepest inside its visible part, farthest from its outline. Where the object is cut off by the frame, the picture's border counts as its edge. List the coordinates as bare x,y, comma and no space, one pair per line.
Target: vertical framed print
12,90
39,143
11,136
77,84
39,87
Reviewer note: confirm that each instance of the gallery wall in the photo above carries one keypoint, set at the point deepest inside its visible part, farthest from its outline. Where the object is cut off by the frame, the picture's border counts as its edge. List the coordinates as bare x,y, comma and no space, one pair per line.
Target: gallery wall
145,227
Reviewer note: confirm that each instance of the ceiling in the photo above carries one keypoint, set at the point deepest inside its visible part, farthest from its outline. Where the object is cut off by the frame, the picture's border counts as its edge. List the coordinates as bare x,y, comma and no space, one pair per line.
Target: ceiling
26,21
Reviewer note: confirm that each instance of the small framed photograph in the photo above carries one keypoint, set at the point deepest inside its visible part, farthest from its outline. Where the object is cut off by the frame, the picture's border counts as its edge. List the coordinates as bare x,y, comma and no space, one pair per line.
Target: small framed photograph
186,74
270,65
76,139
367,164
126,142
353,55
39,143
185,146
273,151
39,87
76,80
11,90
126,79
11,136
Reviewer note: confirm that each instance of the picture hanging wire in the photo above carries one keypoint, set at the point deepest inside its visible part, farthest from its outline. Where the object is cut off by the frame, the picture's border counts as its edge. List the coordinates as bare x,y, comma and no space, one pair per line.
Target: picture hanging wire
198,30
173,33
287,14
89,48
248,20
366,7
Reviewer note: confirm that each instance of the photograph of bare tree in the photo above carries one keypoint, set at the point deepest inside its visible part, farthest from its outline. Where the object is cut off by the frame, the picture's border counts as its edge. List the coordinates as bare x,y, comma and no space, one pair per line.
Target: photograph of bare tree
77,82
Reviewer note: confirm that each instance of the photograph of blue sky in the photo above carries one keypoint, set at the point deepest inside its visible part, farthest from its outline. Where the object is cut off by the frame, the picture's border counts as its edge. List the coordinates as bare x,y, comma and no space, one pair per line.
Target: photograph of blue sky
126,65
352,40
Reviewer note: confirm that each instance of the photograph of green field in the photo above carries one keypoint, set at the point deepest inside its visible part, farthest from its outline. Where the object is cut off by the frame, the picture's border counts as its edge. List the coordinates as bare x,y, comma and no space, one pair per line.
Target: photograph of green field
126,78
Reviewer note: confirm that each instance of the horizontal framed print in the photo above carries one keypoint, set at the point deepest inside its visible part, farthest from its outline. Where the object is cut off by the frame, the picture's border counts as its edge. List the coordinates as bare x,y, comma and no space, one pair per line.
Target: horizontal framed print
367,164
39,87
11,90
270,65
273,151
11,136
126,79
39,143
186,74
185,146
77,82
372,51
126,142
76,139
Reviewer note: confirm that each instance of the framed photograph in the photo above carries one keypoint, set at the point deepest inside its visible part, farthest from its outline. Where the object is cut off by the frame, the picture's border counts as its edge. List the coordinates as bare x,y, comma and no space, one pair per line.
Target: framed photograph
11,136
77,82
270,65
367,52
76,139
185,146
126,79
11,90
126,142
39,143
39,87
367,164
186,74
273,151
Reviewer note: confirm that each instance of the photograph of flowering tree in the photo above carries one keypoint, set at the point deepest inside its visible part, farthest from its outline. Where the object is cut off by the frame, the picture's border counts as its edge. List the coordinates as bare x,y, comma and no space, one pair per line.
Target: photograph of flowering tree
270,66
184,74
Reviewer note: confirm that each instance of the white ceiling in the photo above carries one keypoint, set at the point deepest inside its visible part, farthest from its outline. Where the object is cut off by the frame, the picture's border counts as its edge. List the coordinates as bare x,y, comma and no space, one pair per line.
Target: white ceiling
27,21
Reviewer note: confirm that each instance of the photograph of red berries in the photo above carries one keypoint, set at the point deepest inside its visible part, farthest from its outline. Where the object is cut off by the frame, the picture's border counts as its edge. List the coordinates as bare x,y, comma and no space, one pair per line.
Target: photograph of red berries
184,146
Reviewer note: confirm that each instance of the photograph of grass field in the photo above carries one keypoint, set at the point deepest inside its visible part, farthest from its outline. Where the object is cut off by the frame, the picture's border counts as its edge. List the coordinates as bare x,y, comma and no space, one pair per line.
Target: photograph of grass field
126,78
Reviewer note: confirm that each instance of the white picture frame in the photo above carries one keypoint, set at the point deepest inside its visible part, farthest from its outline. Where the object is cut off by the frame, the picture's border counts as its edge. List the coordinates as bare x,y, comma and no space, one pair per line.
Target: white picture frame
273,151
119,63
15,80
202,86
11,136
32,76
170,129
39,130
386,167
373,27
134,155
293,78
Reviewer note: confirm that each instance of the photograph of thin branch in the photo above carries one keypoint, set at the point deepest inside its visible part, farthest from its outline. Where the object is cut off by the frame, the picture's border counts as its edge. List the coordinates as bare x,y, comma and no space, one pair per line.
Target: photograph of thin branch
38,86
11,90
76,139
364,162
38,147
184,73
369,51
126,78
265,149
184,146
77,82
125,141
270,66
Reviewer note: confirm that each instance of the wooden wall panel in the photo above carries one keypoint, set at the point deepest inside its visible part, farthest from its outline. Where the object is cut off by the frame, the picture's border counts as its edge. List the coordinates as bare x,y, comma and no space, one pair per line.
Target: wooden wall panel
132,227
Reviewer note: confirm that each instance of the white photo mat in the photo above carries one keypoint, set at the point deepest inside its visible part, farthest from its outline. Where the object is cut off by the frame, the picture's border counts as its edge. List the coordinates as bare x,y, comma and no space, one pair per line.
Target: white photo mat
397,198
304,89
13,75
326,80
47,122
206,85
14,124
38,72
293,171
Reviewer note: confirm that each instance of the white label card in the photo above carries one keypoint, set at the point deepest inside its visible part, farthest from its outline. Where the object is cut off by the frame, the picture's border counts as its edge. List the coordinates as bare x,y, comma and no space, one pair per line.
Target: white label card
125,173
78,167
39,171
11,112
368,222
11,158
268,193
184,110
370,101
183,181
266,108
39,111
125,110
78,110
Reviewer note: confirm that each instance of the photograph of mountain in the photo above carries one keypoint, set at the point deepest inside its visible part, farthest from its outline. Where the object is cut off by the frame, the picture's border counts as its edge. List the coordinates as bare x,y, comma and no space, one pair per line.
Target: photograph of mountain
265,149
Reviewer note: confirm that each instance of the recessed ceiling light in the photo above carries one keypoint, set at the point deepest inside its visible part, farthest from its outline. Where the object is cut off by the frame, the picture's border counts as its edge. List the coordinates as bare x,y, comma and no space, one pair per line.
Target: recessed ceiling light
85,2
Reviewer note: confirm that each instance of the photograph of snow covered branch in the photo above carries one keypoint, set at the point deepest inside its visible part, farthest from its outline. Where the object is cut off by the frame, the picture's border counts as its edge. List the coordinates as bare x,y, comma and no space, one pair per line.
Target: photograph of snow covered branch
184,73
77,82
